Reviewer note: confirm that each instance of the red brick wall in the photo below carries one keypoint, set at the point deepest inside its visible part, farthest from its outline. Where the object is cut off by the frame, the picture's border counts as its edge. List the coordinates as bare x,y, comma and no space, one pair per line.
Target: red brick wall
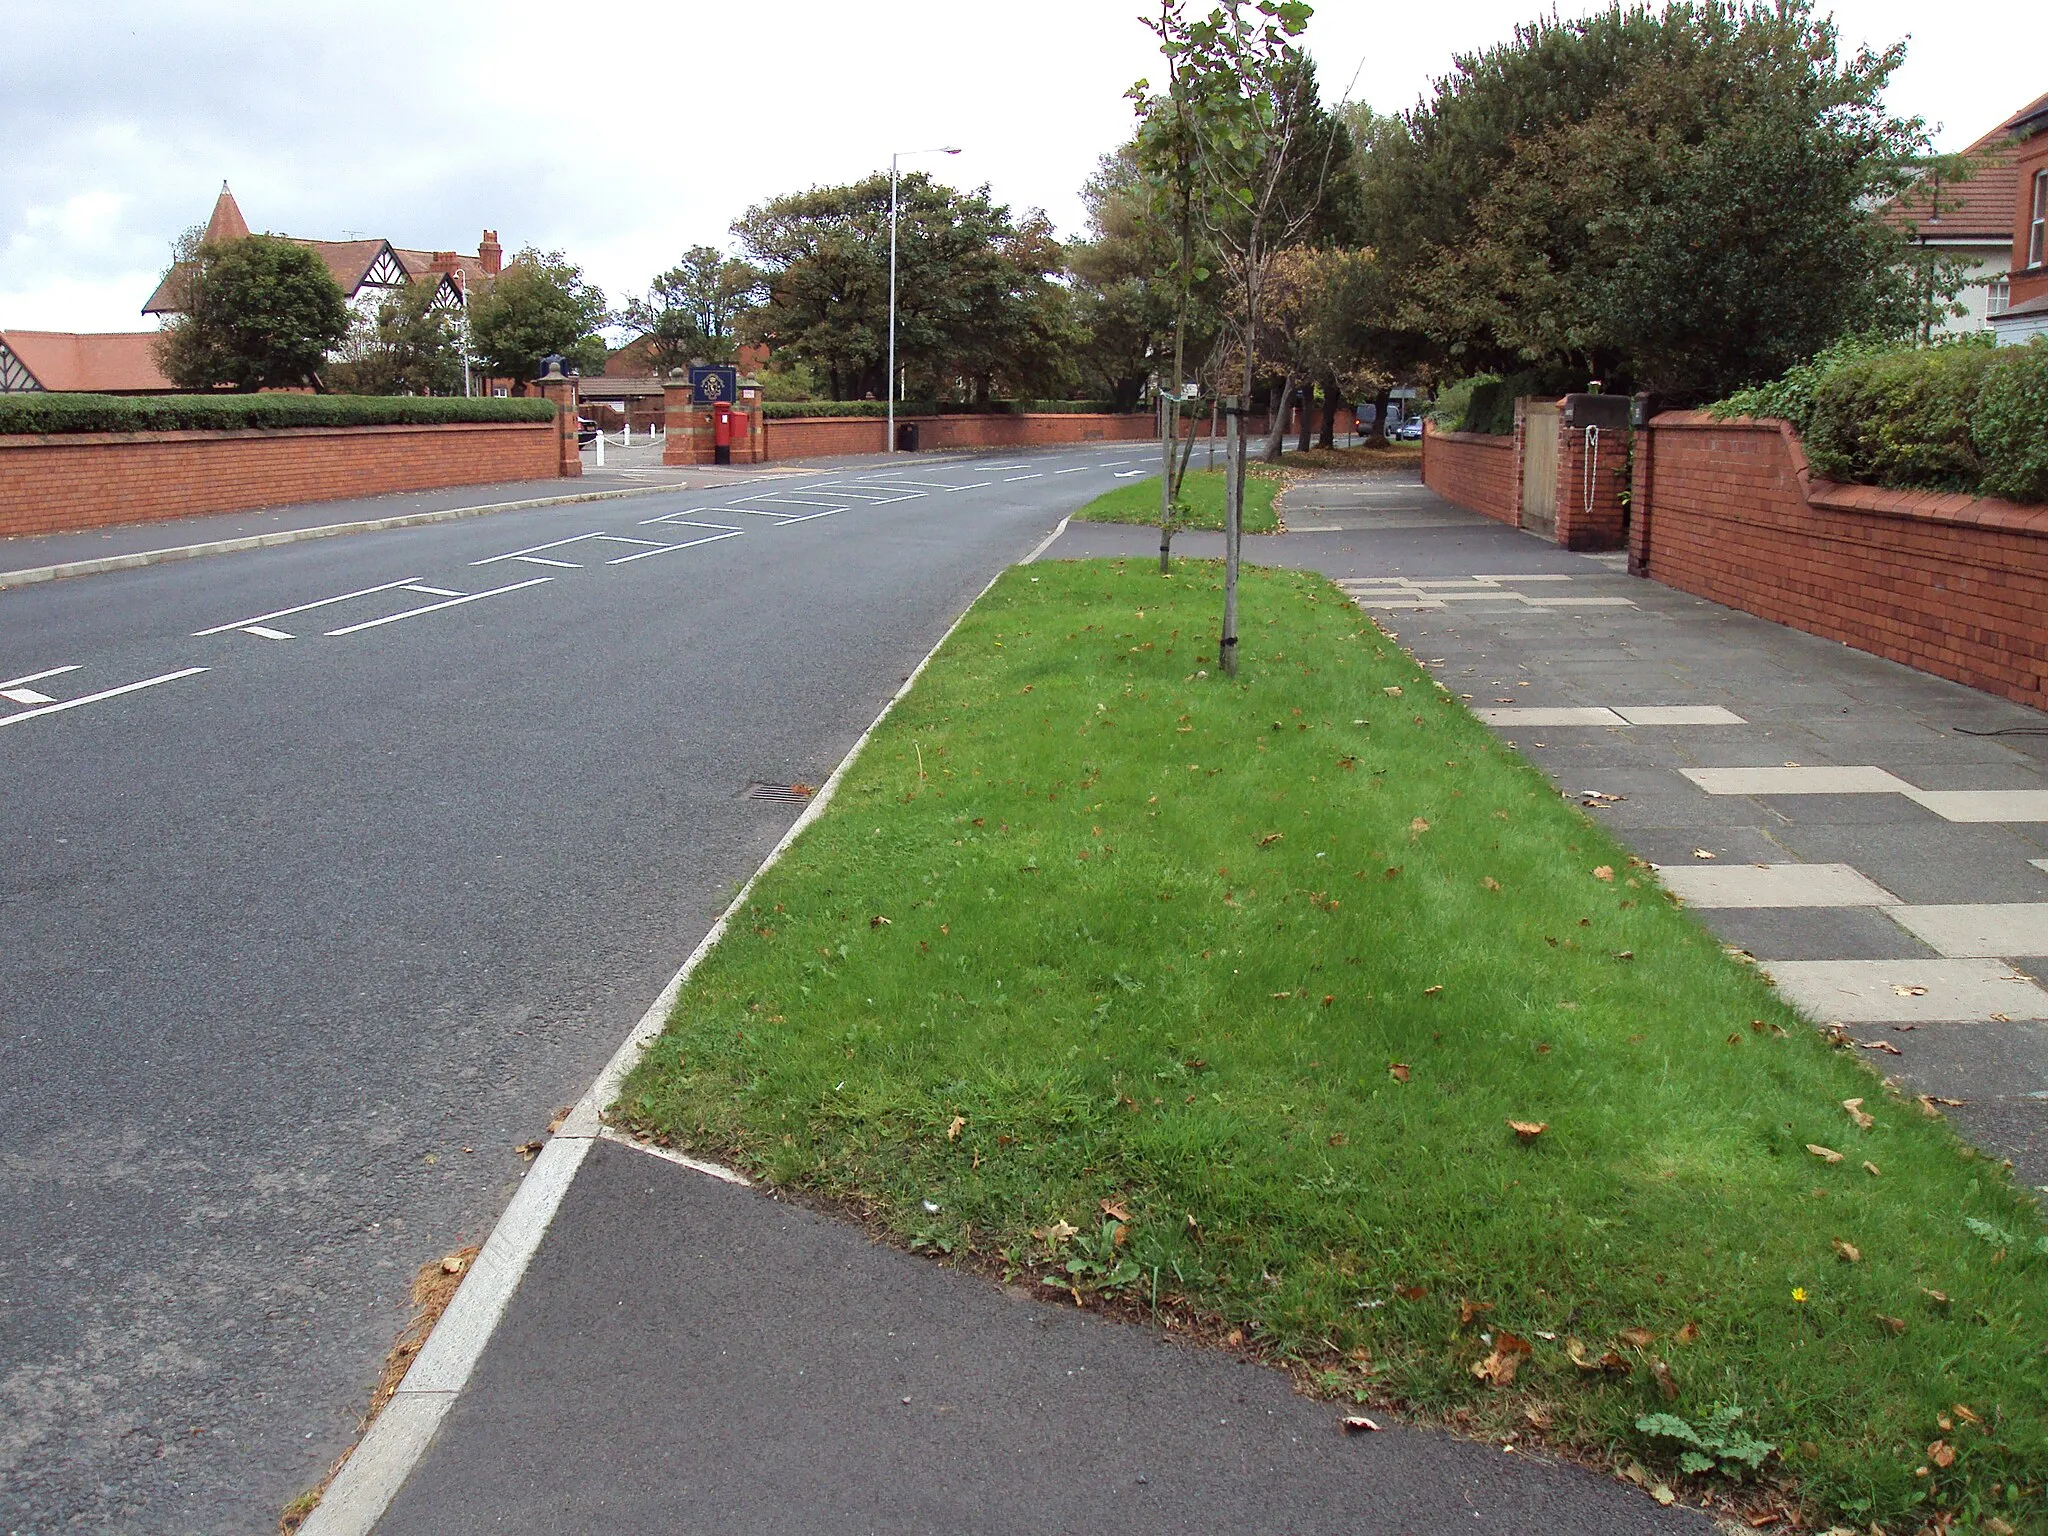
1473,469
67,482
1953,585
811,437
1598,526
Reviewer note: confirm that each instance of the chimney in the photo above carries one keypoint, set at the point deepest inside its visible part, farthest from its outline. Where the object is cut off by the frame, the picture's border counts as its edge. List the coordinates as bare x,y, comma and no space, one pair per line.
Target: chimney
444,261
491,254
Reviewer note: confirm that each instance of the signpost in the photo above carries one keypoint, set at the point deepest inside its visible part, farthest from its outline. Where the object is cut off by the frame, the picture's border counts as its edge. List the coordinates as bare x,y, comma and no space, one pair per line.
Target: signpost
714,385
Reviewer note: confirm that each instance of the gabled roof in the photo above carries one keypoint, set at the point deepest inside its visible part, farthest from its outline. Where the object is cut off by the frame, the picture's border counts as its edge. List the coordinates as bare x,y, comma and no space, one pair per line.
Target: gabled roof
227,222
2030,119
1979,209
107,362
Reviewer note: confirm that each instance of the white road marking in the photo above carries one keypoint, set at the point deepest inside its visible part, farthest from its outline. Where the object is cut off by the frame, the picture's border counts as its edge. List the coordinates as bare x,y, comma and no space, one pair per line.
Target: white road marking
560,565
37,677
420,586
94,698
669,517
535,549
1013,479
265,632
453,602
1078,469
1126,474
665,549
25,696
265,618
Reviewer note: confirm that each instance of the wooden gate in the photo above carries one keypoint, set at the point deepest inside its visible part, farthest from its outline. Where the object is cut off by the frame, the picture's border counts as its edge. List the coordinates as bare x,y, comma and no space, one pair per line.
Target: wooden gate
1539,467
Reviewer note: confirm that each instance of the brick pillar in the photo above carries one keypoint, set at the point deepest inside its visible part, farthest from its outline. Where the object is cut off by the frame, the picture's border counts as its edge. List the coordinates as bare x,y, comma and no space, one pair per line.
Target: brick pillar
561,390
1639,494
1592,471
687,425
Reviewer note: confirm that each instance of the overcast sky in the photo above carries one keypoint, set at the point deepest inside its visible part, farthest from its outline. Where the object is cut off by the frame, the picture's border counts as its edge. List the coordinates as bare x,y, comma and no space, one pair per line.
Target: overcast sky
622,134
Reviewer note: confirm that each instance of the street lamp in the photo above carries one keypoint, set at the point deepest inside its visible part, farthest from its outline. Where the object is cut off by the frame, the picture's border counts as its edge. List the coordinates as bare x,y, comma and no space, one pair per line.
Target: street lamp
891,381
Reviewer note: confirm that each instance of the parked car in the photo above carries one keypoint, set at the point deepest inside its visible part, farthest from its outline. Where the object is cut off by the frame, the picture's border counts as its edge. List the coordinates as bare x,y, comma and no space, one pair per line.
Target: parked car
1409,431
586,431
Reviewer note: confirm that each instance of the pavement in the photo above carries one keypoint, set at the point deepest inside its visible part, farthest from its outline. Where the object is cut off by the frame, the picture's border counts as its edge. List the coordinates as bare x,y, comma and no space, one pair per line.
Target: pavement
331,871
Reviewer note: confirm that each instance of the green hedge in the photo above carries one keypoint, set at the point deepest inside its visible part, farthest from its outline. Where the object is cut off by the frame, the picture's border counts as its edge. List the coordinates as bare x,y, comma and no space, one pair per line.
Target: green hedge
1965,418
53,413
778,410
1487,404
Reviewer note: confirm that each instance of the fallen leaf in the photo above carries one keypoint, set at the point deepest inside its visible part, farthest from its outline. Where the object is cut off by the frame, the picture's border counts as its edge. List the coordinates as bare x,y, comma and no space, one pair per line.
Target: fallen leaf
1394,870
1666,1382
1855,1107
1937,1298
1825,1154
1891,1325
1393,691
878,921
1881,1045
1993,1526
1871,1169
1468,1310
1701,853
1941,1453
528,1149
1359,1424
1538,1416
1411,1292
1604,872
1608,1360
1115,1209
1490,883
1637,1338
1624,954
1233,1338
1433,991
1687,1334
1966,1413
1904,990
1398,1071
1663,1495
454,1264
1848,1253
1339,1140
1418,826
1528,1130
1270,839
1499,1367
1060,1231
953,1131
1329,998
561,1115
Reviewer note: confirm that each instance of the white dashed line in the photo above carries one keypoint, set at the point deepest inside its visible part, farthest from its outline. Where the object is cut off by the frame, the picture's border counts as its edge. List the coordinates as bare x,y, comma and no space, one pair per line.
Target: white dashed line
453,602
280,613
94,698
37,677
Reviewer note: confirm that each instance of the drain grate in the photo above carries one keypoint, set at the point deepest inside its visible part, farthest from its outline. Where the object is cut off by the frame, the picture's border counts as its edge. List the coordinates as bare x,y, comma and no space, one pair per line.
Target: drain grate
782,794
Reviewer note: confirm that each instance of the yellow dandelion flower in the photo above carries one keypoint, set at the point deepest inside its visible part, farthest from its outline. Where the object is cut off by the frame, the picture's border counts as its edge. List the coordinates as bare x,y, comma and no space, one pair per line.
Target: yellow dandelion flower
1799,1293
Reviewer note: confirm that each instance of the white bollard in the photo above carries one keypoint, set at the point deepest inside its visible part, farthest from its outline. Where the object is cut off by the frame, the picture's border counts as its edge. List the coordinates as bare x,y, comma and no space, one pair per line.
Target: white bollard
600,447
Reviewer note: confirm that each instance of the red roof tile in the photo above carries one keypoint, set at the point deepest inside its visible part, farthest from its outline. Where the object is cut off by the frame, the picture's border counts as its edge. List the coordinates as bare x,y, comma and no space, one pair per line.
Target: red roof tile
108,362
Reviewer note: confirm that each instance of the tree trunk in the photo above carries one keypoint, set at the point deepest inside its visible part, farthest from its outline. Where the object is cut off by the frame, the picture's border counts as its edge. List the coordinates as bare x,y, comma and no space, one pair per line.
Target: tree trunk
1307,428
1379,419
1328,437
1276,429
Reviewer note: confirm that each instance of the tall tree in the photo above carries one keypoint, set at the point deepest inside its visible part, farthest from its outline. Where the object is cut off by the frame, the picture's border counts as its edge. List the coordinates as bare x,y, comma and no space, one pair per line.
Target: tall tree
408,345
256,313
694,308
541,304
1681,200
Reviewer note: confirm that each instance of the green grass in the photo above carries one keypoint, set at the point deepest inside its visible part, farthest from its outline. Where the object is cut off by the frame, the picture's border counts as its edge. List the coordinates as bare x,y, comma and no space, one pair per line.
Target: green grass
1087,925
1201,491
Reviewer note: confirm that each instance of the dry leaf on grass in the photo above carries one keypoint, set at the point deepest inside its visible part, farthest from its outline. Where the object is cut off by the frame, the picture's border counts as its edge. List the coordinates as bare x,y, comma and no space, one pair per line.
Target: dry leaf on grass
1469,1310
1418,826
1398,1071
1825,1154
1270,839
1435,991
1891,1325
953,1131
1848,1253
1637,1338
1527,1131
1116,1209
1608,1360
1666,1382
1605,872
1871,1169
1499,1367
1687,1334
1856,1112
1941,1453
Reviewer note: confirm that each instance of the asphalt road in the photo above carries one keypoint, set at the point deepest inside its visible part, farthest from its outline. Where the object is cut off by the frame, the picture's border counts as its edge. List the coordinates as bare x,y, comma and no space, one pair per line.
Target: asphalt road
328,873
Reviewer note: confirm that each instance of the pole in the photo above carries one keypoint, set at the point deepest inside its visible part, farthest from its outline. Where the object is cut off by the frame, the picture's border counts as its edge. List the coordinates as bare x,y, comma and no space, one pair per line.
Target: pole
1213,407
1233,531
889,380
1165,483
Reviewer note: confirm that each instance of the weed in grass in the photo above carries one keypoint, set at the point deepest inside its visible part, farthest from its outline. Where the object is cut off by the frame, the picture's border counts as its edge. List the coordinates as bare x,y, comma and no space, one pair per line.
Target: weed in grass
1294,1066
1201,495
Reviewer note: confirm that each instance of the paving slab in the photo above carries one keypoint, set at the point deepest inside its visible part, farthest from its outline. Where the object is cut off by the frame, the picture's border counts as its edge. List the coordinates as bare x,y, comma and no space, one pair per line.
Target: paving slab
1984,804
1908,991
1791,780
1775,885
1995,929
686,1356
1814,933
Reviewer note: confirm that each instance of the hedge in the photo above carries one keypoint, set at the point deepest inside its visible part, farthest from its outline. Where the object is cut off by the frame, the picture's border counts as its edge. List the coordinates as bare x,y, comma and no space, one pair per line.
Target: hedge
1968,417
1487,404
56,413
782,410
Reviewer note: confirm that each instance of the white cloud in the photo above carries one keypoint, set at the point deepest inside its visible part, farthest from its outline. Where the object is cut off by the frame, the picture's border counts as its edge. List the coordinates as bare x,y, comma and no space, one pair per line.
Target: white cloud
623,136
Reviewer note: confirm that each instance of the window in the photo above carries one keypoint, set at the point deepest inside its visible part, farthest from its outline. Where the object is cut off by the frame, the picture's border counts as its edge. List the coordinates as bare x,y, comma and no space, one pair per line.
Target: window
1997,296
2039,228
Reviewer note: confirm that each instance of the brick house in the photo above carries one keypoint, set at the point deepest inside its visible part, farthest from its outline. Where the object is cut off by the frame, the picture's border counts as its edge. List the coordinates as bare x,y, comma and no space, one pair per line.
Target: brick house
2027,315
1970,222
104,363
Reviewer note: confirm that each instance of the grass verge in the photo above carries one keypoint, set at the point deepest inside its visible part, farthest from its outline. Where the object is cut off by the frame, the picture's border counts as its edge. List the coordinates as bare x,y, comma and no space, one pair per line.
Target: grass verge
1201,491
1215,1002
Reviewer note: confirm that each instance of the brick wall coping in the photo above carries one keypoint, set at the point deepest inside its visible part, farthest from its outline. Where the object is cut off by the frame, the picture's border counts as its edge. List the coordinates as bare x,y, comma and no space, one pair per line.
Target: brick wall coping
258,434
1949,508
1502,440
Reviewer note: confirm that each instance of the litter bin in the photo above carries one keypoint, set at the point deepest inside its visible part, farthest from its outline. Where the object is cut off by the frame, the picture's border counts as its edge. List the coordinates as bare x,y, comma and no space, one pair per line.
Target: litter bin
906,437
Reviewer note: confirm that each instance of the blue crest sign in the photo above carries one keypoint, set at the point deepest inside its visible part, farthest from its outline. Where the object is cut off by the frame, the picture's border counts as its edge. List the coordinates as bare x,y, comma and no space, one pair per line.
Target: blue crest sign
713,386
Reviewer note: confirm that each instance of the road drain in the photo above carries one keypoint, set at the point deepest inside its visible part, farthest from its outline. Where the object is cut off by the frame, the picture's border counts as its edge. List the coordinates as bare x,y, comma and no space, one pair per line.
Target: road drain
782,794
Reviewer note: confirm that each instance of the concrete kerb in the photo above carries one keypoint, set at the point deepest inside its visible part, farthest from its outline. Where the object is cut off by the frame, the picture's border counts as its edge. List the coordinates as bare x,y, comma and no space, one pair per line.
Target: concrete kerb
371,1477
31,575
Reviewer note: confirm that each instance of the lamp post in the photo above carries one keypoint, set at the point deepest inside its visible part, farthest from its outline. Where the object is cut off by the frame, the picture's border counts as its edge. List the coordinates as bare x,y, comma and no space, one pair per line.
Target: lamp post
891,380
